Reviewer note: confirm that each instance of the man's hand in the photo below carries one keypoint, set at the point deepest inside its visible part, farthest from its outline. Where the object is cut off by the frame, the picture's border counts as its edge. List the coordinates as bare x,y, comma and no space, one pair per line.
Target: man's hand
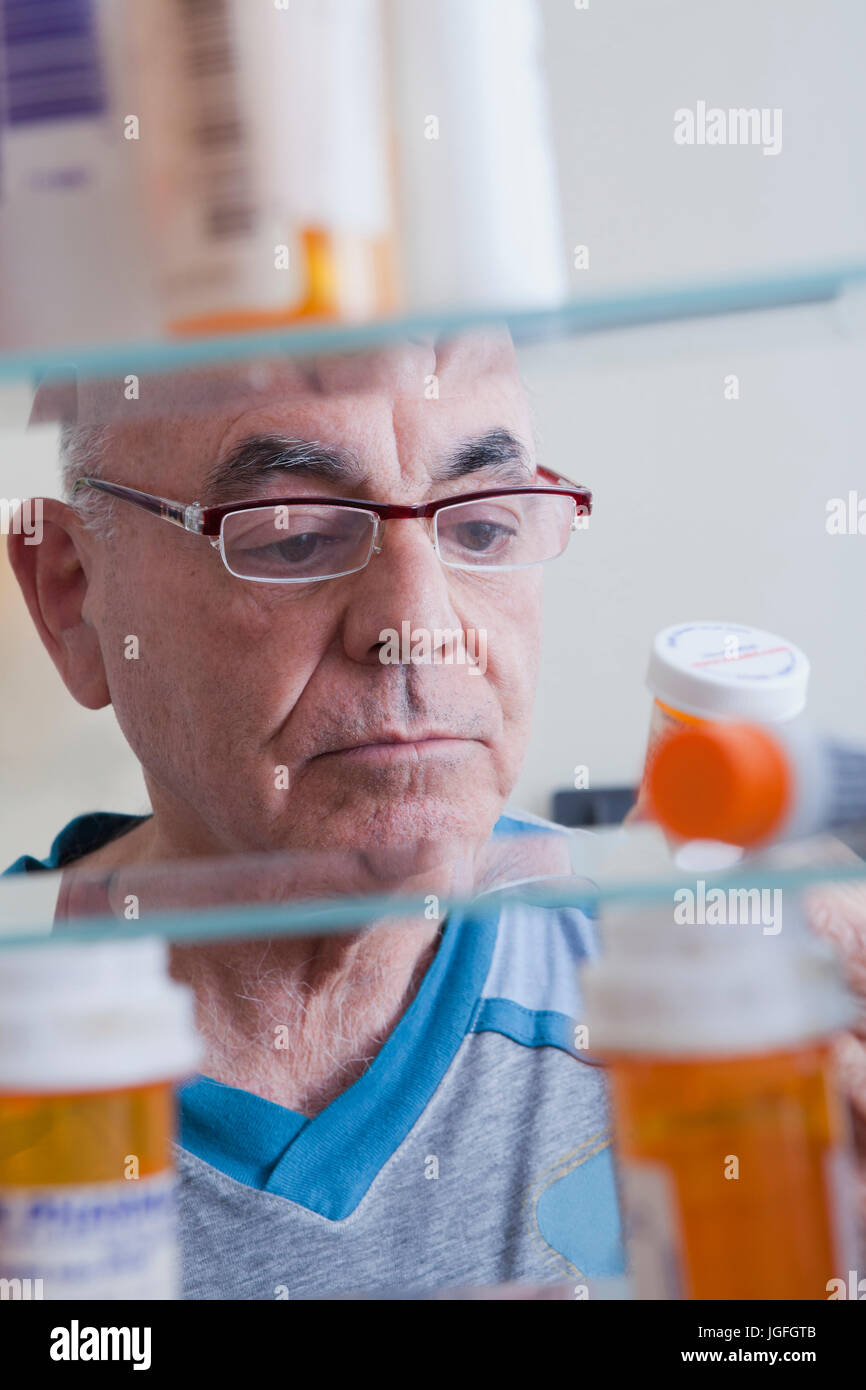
638,812
837,912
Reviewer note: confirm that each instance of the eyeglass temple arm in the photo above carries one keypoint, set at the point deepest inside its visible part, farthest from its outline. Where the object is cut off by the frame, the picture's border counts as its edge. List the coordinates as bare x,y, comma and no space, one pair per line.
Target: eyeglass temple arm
178,513
583,509
551,476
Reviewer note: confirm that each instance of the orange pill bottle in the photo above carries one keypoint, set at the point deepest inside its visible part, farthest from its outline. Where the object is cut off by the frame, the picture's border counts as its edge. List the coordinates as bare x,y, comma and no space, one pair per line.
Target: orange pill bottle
733,1149
93,1038
705,670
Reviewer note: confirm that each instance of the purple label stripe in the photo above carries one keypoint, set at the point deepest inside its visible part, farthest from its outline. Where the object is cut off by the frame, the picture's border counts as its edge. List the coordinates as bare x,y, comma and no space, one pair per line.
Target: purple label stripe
51,61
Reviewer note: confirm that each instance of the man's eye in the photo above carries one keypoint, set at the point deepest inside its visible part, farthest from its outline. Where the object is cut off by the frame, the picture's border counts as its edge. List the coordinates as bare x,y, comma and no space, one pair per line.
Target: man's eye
481,536
296,549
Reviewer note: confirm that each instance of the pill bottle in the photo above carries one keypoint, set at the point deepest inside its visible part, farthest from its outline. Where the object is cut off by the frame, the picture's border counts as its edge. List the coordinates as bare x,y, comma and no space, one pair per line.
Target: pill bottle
702,671
733,1149
93,1038
266,162
756,784
74,253
725,671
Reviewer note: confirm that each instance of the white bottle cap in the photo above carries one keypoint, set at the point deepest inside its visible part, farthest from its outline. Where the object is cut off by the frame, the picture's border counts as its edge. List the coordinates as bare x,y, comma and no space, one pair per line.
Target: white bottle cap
667,988
92,1016
718,670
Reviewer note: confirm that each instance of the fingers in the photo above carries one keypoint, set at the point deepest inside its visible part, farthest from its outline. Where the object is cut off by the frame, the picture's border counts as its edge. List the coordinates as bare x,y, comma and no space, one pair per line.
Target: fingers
838,915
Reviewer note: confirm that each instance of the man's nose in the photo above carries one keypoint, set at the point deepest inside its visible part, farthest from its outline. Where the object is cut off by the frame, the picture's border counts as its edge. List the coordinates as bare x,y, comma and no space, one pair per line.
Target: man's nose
404,582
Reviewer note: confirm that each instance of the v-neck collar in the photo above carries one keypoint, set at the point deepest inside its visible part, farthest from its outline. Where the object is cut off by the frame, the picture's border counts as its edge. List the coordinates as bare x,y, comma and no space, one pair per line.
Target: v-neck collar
328,1162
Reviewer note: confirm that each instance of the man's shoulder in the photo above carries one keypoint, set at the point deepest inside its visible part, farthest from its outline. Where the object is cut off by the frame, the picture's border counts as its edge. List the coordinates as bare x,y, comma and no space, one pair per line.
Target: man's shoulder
532,993
545,931
514,821
81,836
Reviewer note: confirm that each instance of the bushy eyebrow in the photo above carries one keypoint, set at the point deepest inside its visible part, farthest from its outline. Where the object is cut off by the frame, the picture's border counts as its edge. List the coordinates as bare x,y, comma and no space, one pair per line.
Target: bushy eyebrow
499,449
254,461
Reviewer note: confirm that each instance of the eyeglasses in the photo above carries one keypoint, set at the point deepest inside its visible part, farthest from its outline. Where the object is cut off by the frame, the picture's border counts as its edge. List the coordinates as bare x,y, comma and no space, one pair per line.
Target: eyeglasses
303,540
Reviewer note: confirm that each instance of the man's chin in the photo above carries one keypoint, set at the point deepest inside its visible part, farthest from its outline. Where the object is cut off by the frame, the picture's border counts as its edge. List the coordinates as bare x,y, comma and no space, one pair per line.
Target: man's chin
393,841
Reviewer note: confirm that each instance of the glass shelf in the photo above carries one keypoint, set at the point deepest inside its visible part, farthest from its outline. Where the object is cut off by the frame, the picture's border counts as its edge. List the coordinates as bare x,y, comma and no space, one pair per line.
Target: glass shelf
318,894
630,307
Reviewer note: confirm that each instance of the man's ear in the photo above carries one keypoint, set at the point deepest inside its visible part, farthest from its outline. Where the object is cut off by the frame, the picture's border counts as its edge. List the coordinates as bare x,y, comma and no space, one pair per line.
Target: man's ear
54,583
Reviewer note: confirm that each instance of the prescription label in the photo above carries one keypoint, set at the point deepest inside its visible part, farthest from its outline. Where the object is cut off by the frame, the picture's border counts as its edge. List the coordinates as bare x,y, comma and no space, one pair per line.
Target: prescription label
109,1240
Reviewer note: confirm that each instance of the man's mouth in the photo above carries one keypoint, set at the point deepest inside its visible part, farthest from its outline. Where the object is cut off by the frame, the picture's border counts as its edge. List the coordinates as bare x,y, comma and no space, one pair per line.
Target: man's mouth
388,748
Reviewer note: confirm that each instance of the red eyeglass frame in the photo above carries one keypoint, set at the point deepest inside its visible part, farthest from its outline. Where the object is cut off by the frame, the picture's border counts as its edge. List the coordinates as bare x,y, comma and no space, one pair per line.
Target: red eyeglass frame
207,521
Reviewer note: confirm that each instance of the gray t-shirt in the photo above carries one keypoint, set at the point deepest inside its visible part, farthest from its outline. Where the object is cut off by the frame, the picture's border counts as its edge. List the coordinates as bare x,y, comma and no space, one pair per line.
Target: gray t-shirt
506,1175
474,1150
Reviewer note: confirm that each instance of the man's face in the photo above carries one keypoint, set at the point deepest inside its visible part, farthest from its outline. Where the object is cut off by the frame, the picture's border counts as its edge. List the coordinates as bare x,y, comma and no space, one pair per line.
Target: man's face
262,714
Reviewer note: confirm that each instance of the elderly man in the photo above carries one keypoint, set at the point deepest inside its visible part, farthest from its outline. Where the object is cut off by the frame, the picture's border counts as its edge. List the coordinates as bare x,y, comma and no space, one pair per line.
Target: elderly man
429,1122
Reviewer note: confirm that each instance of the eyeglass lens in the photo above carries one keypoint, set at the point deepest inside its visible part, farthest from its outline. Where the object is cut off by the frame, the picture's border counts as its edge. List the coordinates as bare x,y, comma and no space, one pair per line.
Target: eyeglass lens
302,543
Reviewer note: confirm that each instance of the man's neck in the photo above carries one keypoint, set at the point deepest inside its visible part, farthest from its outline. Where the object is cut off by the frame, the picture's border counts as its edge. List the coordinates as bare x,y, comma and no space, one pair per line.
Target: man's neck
297,1021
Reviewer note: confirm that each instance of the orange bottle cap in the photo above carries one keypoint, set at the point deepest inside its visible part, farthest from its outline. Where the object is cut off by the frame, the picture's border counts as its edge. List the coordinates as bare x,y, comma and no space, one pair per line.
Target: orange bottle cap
728,782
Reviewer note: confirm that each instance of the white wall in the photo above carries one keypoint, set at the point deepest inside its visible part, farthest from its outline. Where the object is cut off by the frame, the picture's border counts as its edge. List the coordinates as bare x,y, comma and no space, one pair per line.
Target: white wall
650,209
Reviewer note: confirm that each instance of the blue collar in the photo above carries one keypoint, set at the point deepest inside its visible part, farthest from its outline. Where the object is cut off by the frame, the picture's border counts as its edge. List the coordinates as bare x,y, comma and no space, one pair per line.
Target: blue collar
327,1163
81,836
